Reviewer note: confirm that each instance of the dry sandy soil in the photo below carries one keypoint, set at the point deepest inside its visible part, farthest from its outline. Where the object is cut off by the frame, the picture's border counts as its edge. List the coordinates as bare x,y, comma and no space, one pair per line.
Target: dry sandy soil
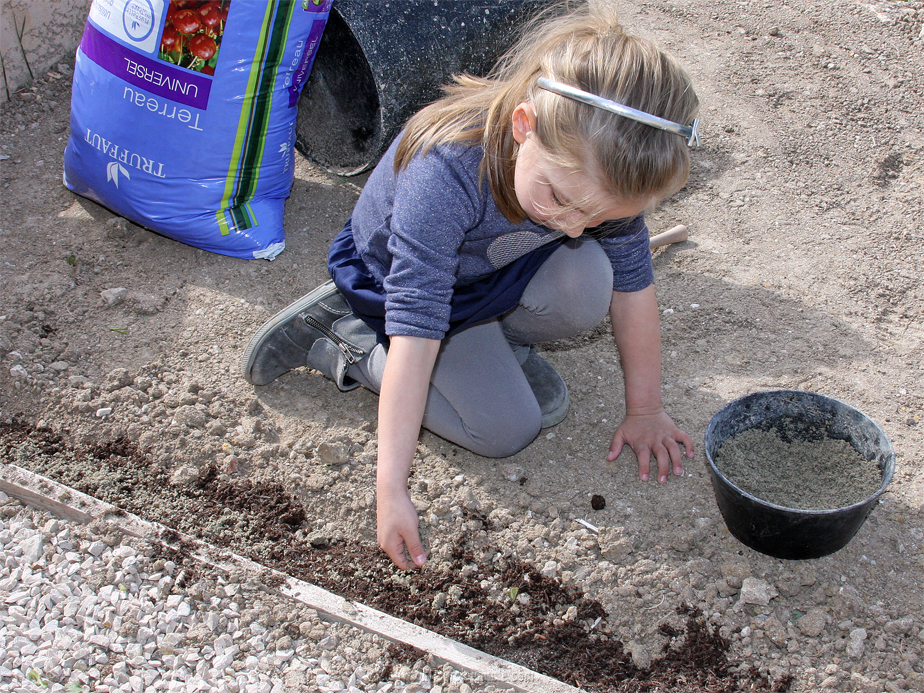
803,270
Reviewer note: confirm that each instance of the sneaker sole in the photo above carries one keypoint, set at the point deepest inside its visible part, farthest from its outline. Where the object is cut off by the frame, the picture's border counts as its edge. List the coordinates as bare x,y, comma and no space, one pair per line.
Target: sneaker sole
553,418
283,316
557,415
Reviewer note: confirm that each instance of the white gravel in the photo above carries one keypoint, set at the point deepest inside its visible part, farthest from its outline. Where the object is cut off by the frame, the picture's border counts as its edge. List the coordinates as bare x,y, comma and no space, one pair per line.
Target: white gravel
86,610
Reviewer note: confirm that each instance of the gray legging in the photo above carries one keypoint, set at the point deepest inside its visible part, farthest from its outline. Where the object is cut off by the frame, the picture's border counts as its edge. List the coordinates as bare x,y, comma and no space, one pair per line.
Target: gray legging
479,398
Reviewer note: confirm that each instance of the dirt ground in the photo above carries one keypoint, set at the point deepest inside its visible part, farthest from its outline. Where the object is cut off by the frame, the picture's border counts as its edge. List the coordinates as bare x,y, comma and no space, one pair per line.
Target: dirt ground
803,271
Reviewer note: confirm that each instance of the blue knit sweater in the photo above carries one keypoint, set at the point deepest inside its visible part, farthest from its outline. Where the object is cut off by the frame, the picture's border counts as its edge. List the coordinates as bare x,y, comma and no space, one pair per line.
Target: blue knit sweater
434,227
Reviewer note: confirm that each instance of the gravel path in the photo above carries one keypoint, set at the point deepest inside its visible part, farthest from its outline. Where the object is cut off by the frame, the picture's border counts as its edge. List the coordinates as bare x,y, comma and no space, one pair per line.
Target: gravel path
83,610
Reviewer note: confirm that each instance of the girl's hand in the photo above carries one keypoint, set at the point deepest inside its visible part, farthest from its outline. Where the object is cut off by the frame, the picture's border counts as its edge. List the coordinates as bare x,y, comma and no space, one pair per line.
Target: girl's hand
652,434
396,519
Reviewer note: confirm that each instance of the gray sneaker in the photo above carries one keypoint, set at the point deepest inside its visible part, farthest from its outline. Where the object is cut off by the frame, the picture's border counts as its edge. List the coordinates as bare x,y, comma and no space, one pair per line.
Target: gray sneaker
548,386
318,330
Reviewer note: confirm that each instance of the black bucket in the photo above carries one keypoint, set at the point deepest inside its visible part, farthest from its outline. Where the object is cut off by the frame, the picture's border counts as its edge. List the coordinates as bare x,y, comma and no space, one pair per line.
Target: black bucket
788,532
380,62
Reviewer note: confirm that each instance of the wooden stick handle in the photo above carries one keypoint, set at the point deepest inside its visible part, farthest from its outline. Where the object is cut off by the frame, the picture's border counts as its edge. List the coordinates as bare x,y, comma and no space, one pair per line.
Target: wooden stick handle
674,235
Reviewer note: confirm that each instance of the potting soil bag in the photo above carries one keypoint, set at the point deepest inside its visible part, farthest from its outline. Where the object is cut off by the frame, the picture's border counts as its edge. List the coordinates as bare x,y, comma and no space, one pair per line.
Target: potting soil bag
183,115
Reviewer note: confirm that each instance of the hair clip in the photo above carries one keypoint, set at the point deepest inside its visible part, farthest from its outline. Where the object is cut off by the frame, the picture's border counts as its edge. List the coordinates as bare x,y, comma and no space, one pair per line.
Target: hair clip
691,132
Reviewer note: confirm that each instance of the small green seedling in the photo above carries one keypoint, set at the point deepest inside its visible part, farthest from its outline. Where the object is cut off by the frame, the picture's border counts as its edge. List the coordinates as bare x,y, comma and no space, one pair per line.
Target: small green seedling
35,676
512,593
20,32
74,687
6,84
71,260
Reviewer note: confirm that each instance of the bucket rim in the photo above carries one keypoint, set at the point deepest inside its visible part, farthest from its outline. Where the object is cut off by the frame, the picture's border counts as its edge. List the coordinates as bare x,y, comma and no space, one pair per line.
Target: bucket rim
888,470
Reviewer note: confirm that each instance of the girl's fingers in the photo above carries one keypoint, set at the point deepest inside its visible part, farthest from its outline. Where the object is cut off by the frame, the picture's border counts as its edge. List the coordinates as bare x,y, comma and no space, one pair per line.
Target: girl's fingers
667,453
396,554
644,463
416,551
688,446
669,458
676,457
687,442
663,456
616,445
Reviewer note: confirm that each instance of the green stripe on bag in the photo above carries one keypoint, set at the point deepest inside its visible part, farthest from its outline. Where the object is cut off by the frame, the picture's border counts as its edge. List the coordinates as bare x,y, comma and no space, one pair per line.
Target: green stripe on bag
246,119
253,156
237,218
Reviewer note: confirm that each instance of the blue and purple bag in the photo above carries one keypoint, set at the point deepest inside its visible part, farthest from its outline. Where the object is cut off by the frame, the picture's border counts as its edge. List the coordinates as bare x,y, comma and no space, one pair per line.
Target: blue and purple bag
183,115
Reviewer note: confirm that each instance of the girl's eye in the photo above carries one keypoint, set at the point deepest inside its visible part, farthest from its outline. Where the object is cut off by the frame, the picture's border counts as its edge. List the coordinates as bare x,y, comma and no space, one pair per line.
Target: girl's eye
555,198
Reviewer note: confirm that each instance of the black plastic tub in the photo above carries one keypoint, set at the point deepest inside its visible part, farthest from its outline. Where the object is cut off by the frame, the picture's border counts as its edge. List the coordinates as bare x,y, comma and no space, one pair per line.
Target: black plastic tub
380,62
792,533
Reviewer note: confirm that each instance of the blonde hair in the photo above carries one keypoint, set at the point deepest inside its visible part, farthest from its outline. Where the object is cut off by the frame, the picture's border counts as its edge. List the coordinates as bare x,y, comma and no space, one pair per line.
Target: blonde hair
584,47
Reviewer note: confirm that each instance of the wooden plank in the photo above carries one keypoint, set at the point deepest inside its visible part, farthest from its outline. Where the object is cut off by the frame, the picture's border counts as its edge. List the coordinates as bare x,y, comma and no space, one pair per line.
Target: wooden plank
38,500
42,492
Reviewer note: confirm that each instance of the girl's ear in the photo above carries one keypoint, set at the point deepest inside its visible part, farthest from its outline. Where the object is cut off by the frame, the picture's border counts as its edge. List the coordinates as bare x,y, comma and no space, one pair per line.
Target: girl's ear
524,121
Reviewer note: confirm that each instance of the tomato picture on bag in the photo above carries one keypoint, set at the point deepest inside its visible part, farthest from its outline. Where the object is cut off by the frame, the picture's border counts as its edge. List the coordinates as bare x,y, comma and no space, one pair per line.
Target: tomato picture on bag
192,33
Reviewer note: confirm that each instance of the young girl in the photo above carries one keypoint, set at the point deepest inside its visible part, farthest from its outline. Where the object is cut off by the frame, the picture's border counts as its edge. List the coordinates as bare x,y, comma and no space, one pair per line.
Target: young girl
507,213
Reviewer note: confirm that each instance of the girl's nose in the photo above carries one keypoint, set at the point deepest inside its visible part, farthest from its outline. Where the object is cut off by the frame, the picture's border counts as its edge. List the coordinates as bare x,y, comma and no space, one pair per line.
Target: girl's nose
573,228
572,224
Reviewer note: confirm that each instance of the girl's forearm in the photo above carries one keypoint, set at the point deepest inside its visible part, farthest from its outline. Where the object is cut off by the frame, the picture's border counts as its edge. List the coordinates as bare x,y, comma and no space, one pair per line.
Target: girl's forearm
402,399
637,329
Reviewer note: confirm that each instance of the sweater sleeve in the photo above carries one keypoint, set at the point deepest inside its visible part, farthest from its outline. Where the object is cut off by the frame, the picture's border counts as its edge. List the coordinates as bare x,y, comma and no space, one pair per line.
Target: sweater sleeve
628,251
436,202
